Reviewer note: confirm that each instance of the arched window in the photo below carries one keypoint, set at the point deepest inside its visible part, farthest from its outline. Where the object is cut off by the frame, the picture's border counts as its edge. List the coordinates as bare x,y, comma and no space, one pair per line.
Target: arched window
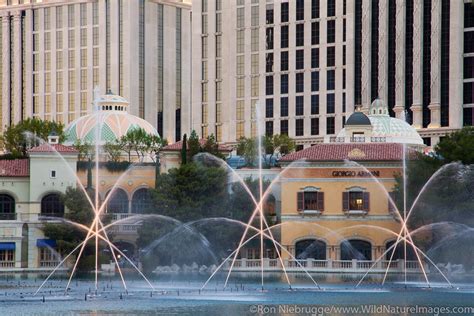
399,251
7,207
52,205
356,249
310,248
142,201
118,202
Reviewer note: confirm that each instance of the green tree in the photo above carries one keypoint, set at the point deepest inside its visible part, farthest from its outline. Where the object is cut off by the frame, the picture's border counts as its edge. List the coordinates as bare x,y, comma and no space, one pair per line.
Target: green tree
458,146
19,138
211,146
247,148
272,146
113,150
85,149
194,147
184,150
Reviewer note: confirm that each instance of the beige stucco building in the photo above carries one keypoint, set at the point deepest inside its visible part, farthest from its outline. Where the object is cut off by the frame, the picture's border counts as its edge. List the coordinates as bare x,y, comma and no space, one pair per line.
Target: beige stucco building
55,52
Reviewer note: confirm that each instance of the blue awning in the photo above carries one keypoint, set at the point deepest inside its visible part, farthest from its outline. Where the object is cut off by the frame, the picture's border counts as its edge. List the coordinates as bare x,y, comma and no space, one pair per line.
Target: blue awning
7,246
45,243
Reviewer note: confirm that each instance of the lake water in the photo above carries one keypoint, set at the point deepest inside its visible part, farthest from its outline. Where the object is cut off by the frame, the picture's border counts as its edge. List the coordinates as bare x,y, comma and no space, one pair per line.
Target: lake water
180,294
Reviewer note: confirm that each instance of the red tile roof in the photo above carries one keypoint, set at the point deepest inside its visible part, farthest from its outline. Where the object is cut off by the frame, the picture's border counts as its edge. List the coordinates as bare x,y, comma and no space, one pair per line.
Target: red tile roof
178,145
48,148
14,168
352,151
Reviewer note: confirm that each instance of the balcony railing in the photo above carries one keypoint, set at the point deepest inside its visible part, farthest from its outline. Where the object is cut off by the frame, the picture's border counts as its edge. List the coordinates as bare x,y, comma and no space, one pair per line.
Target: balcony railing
49,264
43,216
7,264
7,216
312,265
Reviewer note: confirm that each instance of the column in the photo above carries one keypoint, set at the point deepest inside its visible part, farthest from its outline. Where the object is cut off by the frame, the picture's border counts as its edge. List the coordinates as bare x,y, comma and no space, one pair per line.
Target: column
28,63
399,107
435,102
350,67
383,50
366,50
417,106
6,70
17,108
456,36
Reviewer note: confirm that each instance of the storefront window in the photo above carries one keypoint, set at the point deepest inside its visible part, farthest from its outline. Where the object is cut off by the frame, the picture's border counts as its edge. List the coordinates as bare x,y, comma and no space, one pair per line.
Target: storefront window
310,201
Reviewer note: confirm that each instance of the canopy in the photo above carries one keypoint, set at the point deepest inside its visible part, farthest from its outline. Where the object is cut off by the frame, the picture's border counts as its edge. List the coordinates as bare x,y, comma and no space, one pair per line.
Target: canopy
7,246
46,243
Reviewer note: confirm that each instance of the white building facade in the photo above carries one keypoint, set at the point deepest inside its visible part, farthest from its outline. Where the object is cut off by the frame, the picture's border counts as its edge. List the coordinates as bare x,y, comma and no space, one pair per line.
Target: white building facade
308,63
55,52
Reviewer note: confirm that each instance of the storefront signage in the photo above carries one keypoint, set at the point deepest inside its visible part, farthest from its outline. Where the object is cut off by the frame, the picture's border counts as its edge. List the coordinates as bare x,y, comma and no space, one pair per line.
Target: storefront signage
361,174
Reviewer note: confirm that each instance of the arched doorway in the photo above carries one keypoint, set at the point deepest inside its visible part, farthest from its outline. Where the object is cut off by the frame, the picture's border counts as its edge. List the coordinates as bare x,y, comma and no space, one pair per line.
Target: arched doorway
399,251
52,205
142,201
356,249
118,202
310,249
7,207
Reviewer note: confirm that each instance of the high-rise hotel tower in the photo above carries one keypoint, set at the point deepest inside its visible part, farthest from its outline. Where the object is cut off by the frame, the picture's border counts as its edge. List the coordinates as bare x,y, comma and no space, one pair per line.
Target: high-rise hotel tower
54,52
309,63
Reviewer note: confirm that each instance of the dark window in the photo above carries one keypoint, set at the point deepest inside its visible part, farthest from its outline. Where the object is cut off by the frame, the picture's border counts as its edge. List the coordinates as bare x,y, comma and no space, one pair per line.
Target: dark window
358,53
284,11
315,9
299,127
299,59
52,205
142,201
445,9
315,104
343,78
469,42
315,33
284,36
331,7
331,79
315,81
310,249
159,123
315,126
343,121
330,103
269,85
299,82
310,201
299,34
118,202
269,37
330,126
344,7
284,106
427,141
468,93
269,128
343,102
269,62
392,8
468,117
7,207
375,50
331,31
468,67
355,201
344,31
269,108
356,249
284,127
269,14
344,55
409,60
178,125
426,61
299,10
331,57
284,61
314,57
299,147
299,105
284,84
468,15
